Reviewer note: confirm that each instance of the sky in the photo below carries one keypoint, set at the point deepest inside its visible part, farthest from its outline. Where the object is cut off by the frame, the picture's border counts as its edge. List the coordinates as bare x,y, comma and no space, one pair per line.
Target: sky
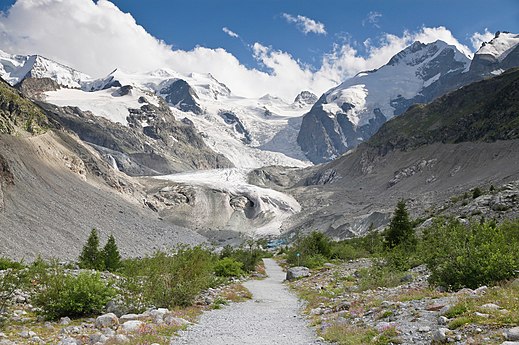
253,46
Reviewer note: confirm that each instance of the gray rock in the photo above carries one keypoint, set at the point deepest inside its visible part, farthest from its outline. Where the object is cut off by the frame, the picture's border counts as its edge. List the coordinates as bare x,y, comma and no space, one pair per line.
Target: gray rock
512,334
297,272
503,343
442,320
64,321
130,317
132,326
121,339
440,335
175,321
107,321
490,306
69,341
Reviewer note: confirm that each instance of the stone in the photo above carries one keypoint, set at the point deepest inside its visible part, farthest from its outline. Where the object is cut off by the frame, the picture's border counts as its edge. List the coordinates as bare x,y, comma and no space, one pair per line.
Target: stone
297,272
510,343
316,311
424,329
478,314
442,320
64,321
68,341
490,306
512,334
481,290
435,307
440,335
121,339
109,320
130,317
132,326
171,320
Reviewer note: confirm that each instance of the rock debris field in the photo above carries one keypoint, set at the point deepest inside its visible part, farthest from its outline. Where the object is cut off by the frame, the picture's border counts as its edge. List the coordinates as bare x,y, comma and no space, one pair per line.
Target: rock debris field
270,317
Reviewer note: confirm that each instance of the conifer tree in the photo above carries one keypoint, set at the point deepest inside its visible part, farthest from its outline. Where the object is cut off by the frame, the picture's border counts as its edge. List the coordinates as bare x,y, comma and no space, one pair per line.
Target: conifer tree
400,230
112,258
91,257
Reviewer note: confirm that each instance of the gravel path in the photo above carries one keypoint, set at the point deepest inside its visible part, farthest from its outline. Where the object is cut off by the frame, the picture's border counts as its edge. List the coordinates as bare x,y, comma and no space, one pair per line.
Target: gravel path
270,317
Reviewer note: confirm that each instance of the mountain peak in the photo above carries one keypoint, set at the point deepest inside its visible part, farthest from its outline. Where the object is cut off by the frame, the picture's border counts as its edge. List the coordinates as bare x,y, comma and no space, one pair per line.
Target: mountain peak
500,46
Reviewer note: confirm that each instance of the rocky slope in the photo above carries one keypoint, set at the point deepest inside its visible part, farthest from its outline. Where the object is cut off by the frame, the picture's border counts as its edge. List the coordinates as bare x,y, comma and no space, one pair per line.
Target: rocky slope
431,153
353,111
55,189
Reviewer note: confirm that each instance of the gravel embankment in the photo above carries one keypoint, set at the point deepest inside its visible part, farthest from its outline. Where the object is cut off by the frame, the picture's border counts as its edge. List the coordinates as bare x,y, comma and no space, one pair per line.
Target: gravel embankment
270,317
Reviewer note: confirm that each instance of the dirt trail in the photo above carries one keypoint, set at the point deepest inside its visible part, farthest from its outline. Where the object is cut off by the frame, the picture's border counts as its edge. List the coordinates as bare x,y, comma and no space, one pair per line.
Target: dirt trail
270,317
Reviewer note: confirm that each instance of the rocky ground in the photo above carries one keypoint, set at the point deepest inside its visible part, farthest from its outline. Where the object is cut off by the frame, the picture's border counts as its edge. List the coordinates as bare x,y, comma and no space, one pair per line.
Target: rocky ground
411,313
160,326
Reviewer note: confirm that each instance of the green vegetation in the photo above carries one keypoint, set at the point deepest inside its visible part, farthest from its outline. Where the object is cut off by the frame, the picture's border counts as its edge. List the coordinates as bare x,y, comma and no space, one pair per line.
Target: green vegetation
16,113
66,295
470,256
400,231
228,267
249,257
344,334
91,257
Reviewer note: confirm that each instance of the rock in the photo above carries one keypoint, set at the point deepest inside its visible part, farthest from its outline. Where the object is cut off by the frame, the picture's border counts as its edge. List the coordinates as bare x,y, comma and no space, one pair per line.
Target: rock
316,311
64,321
435,307
424,329
171,320
130,317
504,343
158,315
407,278
442,320
69,341
297,272
512,334
132,326
481,290
121,339
490,306
478,314
107,321
440,335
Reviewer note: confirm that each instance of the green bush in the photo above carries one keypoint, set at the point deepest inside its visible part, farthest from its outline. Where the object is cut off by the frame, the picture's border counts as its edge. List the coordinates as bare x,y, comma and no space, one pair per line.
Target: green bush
470,256
66,295
171,280
249,257
10,280
228,267
6,263
310,251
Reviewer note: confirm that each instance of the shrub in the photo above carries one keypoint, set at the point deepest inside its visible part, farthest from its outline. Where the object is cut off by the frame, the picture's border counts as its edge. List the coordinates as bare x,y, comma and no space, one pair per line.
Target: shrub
10,280
6,263
172,280
311,251
91,257
476,192
470,256
66,295
228,267
249,257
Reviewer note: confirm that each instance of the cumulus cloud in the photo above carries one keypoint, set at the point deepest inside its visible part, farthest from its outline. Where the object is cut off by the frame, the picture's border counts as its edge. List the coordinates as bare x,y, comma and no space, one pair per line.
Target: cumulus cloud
478,38
230,32
305,24
96,38
372,18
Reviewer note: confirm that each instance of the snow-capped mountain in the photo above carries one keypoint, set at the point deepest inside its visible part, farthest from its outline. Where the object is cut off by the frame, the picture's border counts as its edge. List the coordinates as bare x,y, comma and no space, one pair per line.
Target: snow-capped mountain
15,68
352,112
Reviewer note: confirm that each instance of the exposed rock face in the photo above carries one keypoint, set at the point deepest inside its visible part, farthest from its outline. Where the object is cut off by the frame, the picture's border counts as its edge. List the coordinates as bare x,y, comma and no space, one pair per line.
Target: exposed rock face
154,144
231,119
305,98
181,95
34,88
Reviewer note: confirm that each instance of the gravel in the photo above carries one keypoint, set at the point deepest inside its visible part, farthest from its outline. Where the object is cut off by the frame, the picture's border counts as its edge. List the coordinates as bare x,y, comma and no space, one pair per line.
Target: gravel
270,317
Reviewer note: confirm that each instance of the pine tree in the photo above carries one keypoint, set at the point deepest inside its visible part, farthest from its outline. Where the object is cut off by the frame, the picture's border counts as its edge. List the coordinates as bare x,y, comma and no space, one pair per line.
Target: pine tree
91,257
400,229
112,258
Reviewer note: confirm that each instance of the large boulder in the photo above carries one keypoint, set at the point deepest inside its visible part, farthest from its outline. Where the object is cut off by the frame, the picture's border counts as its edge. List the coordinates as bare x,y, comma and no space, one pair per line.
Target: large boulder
109,320
297,272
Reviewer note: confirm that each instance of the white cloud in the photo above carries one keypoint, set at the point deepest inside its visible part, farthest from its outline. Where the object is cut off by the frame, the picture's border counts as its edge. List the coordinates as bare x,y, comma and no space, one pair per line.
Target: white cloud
96,38
230,32
372,18
305,24
478,39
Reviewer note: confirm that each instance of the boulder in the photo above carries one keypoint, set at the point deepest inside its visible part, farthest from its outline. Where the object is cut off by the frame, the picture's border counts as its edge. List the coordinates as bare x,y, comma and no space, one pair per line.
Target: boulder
512,334
109,320
297,272
440,335
132,326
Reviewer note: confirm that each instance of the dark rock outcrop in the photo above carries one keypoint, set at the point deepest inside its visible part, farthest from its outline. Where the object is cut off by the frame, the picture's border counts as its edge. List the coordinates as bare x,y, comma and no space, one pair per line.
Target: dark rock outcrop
182,96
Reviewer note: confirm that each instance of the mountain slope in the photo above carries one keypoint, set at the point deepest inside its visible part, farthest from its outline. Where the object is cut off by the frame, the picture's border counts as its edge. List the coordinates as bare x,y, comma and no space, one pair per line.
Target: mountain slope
352,112
428,156
54,189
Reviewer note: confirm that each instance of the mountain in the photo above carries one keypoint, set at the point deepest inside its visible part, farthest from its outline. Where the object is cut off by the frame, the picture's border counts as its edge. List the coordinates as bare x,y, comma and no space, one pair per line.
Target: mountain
432,156
352,112
15,68
54,188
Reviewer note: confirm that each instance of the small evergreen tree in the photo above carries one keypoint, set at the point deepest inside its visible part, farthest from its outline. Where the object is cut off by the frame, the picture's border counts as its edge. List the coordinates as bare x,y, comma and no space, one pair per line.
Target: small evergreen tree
91,257
400,230
112,258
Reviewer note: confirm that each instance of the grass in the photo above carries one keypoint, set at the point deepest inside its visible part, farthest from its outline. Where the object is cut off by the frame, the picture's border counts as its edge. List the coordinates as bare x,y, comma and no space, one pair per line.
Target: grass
344,334
236,293
419,294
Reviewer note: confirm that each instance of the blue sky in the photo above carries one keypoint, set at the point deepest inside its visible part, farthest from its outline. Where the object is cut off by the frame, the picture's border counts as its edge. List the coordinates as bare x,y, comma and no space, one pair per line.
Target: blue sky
268,40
